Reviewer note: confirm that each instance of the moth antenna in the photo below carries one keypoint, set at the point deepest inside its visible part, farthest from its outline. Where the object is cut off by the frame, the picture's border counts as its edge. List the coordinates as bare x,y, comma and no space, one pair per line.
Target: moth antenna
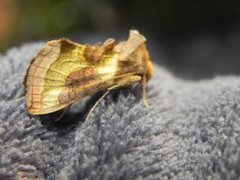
16,99
144,86
96,103
63,113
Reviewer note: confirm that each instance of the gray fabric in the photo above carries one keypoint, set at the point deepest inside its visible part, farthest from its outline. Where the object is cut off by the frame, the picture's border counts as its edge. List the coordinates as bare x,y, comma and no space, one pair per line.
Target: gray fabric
190,131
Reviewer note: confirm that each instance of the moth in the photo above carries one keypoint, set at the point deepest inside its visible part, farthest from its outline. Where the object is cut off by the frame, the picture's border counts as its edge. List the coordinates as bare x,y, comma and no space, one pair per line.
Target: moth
64,72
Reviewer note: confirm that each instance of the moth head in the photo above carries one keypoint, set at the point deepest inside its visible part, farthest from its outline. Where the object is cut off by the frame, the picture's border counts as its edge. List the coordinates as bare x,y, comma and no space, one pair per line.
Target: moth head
149,66
149,71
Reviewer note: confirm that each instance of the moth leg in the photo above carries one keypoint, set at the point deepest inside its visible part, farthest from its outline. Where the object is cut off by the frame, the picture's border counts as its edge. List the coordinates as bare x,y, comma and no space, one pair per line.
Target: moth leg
121,83
126,81
144,86
19,98
96,103
131,80
63,113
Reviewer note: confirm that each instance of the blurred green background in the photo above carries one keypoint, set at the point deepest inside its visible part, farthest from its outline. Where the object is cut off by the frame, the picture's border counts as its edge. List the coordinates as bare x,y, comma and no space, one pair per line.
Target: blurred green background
193,38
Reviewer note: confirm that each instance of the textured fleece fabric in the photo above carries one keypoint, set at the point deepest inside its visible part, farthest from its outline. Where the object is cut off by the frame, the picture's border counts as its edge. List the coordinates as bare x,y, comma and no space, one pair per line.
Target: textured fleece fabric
190,131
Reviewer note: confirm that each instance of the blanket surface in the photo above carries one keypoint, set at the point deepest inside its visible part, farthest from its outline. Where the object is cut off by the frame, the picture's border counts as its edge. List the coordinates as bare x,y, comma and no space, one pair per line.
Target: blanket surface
190,131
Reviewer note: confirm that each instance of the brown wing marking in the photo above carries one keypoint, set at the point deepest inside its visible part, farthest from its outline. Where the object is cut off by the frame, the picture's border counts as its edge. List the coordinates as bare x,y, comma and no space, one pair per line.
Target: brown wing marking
80,84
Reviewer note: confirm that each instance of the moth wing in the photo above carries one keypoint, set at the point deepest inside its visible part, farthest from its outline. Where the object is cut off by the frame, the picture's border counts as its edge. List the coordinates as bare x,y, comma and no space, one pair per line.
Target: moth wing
126,48
60,74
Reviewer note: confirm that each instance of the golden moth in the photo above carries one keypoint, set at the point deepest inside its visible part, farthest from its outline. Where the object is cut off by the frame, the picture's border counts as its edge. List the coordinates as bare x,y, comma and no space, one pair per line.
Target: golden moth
64,72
